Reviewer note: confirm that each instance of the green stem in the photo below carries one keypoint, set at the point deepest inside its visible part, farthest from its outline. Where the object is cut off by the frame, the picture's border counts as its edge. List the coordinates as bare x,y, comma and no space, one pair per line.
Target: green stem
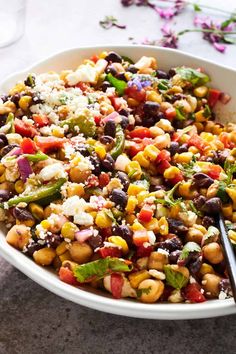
205,31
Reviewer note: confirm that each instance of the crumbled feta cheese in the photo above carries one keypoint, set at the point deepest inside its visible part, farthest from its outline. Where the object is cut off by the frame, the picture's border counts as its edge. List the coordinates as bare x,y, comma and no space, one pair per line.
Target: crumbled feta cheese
157,274
74,205
83,218
222,295
85,73
189,217
52,171
151,237
160,250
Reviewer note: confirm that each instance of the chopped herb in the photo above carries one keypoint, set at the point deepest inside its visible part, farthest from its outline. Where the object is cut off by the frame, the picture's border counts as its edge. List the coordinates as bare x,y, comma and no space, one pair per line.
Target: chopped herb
188,169
221,193
145,291
210,236
63,99
163,85
110,21
207,111
173,278
169,199
230,169
194,209
188,248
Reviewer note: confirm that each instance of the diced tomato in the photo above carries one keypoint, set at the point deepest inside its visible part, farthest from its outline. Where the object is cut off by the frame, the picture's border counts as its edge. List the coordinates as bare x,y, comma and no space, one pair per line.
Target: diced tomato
163,155
110,252
214,171
94,58
225,139
136,94
146,213
116,102
147,141
141,133
117,282
40,120
144,251
178,178
162,166
197,141
49,143
106,232
170,113
213,97
139,237
82,85
66,275
28,146
104,179
97,119
24,128
192,292
135,148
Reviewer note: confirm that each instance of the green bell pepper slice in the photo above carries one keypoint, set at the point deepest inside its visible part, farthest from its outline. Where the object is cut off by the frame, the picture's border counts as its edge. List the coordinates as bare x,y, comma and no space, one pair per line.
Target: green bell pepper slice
120,142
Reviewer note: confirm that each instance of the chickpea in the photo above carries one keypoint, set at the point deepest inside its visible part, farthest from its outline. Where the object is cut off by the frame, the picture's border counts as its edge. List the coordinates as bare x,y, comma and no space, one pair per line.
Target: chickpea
78,176
213,253
194,235
210,284
44,256
162,141
157,260
80,252
18,236
182,270
154,292
142,263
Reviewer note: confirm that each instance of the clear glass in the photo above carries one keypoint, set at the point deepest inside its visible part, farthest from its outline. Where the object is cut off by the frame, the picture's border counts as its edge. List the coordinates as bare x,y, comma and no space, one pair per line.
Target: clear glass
12,20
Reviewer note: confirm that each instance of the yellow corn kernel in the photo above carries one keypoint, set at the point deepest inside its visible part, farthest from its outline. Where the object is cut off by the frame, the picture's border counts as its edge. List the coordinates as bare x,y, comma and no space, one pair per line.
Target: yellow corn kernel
156,131
62,248
153,96
58,132
2,178
17,88
205,269
36,210
163,226
174,211
232,194
135,189
133,169
217,129
193,149
75,189
151,152
91,141
103,55
184,157
199,127
171,172
137,226
207,136
141,159
185,190
200,91
199,116
131,204
119,241
93,214
28,223
68,230
65,257
130,218
45,224
24,102
141,196
227,211
102,220
100,151
132,102
2,169
152,225
137,277
232,235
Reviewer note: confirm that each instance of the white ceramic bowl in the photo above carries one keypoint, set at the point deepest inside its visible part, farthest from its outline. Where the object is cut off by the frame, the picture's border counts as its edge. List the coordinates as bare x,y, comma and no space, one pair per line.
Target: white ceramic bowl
222,78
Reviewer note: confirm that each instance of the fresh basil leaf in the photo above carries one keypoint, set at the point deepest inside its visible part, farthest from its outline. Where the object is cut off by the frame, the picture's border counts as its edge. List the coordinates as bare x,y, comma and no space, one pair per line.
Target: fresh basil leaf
195,77
173,278
188,248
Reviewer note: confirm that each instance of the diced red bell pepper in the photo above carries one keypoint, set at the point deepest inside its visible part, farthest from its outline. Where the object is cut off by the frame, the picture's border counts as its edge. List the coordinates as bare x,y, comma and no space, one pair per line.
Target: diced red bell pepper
144,251
28,146
146,213
197,141
224,138
192,292
213,97
133,92
116,102
141,133
163,155
135,148
140,237
178,178
170,113
104,179
117,282
162,166
97,119
24,128
41,120
110,252
66,275
214,171
82,85
94,58
49,143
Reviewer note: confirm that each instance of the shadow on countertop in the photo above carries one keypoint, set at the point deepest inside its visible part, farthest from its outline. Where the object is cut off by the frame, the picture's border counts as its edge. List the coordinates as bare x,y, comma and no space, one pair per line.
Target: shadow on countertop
33,320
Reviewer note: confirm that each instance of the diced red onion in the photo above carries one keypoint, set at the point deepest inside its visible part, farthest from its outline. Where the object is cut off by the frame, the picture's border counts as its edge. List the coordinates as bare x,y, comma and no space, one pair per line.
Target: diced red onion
112,116
83,235
24,167
16,151
224,98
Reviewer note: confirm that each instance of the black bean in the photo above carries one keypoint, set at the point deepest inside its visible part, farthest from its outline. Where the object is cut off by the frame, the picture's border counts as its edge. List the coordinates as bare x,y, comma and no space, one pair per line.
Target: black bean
212,206
221,157
111,70
162,74
53,240
147,121
110,128
124,122
121,76
3,118
22,214
195,264
33,247
154,188
201,180
199,202
106,140
176,97
108,163
225,287
4,98
172,72
15,98
177,227
174,148
124,112
95,241
5,195
96,165
125,232
171,244
173,257
105,85
4,138
30,81
208,221
8,148
1,144
124,179
36,99
119,197
151,108
132,69
113,57
183,148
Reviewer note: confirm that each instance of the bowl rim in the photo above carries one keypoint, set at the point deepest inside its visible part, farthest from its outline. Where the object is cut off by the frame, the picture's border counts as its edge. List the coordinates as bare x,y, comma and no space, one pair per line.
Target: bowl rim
211,308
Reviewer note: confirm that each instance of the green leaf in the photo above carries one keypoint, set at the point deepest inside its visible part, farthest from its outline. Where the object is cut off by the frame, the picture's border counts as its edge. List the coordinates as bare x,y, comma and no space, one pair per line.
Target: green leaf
173,278
197,8
195,77
99,269
230,169
119,85
221,193
210,236
189,247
